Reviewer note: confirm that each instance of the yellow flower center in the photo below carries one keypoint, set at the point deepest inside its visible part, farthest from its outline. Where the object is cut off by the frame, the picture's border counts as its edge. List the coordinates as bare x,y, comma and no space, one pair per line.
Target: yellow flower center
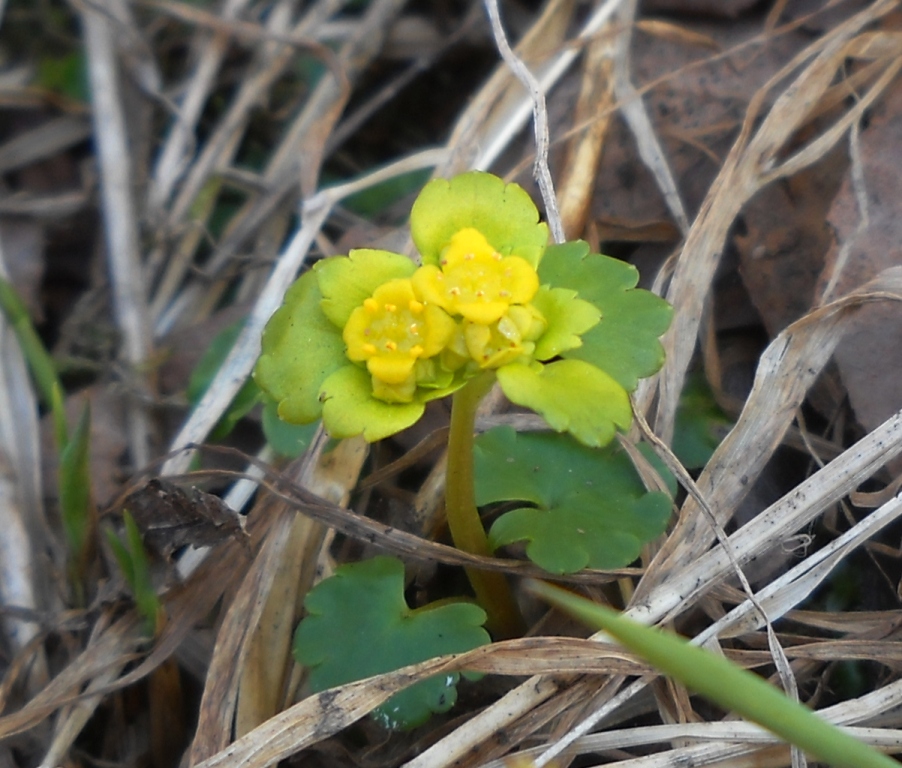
390,331
475,281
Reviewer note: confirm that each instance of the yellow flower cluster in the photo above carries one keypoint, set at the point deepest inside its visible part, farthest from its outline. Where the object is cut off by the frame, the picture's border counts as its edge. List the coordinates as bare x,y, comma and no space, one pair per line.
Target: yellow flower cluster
472,310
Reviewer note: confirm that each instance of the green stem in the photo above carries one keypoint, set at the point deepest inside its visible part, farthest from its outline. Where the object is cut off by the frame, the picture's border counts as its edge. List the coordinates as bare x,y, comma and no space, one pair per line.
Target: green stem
491,588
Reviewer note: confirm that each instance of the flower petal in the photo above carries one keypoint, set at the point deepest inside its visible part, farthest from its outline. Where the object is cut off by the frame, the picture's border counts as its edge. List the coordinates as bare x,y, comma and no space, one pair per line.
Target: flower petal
504,213
475,280
300,349
393,329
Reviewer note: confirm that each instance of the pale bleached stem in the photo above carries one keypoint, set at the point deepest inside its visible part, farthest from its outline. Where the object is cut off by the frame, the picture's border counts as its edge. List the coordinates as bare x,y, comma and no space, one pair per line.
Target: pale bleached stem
119,211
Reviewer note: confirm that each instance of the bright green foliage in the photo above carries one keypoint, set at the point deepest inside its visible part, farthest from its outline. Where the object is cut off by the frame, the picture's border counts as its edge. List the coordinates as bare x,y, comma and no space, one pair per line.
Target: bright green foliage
591,509
572,396
350,409
205,371
359,625
366,340
347,282
286,439
504,213
699,424
301,348
625,343
723,682
568,318
75,489
135,568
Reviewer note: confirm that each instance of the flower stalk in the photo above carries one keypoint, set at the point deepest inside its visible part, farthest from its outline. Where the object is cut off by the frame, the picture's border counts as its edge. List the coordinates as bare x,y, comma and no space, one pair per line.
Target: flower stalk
492,590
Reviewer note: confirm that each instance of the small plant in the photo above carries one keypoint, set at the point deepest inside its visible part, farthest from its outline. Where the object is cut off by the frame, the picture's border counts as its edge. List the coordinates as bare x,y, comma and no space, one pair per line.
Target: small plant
365,341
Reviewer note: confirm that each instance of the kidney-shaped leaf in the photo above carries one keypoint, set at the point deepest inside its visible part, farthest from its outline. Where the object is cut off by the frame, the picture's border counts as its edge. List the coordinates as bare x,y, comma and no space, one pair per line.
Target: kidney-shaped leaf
359,625
625,342
591,509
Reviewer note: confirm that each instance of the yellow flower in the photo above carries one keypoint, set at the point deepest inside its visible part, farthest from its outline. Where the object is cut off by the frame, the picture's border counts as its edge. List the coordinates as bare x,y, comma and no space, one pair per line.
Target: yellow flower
507,340
391,331
475,281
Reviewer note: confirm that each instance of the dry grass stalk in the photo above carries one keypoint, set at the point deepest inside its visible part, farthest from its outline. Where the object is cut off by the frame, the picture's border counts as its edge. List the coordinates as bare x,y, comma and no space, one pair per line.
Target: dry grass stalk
120,210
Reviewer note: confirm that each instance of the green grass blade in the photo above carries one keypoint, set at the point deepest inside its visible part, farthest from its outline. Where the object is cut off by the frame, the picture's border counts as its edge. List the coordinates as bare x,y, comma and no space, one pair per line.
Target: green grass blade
75,489
724,683
135,568
39,361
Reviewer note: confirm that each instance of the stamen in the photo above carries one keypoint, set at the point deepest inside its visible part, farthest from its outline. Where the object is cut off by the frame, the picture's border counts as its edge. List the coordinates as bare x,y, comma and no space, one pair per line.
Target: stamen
504,294
415,307
497,256
454,291
369,349
469,256
390,345
413,329
391,308
480,294
415,351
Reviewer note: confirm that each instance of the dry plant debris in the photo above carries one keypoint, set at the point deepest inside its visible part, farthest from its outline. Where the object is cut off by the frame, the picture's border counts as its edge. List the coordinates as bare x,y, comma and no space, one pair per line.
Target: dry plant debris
168,167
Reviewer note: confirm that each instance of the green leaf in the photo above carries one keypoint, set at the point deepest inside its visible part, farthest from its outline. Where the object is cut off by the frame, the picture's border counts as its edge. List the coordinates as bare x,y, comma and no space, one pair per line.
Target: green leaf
345,282
625,342
205,371
504,213
571,396
135,568
289,440
75,487
700,424
724,683
359,625
350,409
568,319
591,509
300,349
